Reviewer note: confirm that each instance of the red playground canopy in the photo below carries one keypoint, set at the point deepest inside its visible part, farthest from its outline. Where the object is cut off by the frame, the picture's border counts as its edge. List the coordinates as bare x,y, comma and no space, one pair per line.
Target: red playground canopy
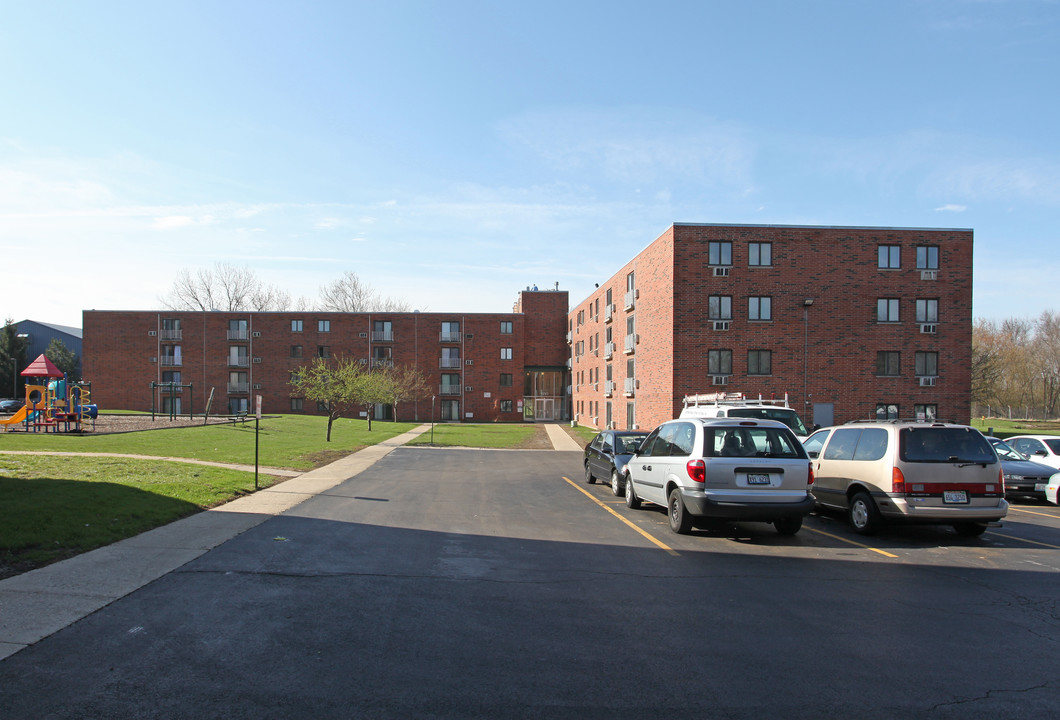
42,367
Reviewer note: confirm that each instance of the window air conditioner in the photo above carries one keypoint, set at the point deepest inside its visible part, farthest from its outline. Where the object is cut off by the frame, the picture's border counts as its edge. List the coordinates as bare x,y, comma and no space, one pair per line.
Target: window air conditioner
719,379
257,386
929,329
152,333
362,335
721,324
721,272
469,336
928,381
255,334
929,274
469,362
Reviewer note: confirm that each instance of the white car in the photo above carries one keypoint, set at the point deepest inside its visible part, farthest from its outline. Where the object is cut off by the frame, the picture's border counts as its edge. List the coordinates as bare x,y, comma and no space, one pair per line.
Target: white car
1043,449
1051,490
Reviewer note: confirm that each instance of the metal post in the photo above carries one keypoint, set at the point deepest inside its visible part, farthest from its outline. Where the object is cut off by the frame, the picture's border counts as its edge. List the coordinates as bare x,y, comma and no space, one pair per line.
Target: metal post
432,419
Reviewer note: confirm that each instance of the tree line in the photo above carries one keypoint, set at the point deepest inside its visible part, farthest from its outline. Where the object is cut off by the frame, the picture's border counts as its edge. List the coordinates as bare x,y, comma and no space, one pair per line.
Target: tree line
1016,365
13,359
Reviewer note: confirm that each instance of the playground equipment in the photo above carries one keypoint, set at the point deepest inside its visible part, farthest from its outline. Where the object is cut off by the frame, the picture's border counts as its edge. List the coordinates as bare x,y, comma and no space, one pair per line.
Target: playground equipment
52,402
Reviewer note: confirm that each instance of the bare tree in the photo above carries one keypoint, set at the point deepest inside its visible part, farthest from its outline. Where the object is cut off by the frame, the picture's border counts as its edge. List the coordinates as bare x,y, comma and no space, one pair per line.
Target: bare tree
224,287
350,294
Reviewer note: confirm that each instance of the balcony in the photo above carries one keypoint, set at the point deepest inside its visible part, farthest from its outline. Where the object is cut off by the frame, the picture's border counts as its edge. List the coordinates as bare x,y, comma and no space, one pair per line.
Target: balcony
630,344
382,362
383,336
171,361
448,390
609,350
239,361
239,334
609,311
609,388
170,334
450,363
631,297
629,386
238,388
449,337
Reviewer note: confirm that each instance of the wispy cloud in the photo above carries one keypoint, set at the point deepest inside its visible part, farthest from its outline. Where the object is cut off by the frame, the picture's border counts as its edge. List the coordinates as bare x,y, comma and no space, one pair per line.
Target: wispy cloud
952,208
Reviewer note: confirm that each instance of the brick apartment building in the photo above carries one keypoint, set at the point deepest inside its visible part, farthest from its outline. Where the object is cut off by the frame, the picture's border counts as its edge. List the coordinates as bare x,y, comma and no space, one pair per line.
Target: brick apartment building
484,367
848,322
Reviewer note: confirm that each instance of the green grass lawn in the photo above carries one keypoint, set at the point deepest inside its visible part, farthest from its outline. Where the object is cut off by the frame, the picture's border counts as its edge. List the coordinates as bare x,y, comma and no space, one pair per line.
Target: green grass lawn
485,436
1003,428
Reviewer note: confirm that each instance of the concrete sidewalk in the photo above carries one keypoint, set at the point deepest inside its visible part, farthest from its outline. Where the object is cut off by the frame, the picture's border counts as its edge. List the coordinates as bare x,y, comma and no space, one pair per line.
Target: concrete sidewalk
561,440
38,603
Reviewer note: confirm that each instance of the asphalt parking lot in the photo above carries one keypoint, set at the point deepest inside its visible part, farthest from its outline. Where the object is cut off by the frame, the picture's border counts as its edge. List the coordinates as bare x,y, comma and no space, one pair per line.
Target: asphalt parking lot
490,584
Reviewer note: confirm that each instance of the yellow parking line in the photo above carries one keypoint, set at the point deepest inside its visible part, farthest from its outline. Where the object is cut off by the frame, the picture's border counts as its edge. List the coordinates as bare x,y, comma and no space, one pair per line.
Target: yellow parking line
843,539
1031,512
651,539
1019,539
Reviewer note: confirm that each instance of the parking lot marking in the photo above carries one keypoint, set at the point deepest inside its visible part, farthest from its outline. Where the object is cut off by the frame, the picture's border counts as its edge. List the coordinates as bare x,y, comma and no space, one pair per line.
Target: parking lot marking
589,495
1033,542
843,539
1032,512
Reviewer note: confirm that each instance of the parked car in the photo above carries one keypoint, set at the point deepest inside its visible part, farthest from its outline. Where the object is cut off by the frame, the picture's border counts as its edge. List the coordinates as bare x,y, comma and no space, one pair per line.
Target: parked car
729,404
1044,449
1052,489
1023,477
906,471
708,469
607,454
10,406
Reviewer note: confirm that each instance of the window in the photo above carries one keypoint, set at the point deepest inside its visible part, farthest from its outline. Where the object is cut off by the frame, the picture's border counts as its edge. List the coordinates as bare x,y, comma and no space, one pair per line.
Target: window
506,327
506,406
238,330
506,353
925,412
927,257
238,382
719,307
323,351
887,310
382,331
237,356
927,311
171,355
884,411
450,409
760,308
607,414
323,326
296,351
238,405
889,257
506,379
927,364
631,416
630,282
887,362
719,362
450,384
382,356
171,376
760,253
720,253
171,329
450,357
296,403
450,332
759,362
296,326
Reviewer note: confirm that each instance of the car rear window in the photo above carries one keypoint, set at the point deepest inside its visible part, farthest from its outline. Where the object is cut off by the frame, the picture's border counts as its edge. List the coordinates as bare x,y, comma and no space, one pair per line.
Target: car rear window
788,417
944,444
1054,445
752,442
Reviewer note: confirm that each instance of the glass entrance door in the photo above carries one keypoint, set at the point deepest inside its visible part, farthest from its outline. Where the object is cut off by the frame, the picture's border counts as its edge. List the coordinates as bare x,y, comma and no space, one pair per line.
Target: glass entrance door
544,409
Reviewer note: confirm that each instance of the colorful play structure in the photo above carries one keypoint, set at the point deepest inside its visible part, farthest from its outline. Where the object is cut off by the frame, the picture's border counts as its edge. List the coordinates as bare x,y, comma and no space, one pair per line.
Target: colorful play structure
53,404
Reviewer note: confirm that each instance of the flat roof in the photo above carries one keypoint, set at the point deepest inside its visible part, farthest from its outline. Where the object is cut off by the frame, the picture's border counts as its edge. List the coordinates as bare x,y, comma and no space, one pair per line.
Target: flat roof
822,227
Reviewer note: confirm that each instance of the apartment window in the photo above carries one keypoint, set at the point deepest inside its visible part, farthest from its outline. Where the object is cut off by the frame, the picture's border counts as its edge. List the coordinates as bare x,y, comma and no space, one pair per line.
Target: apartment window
323,326
887,362
171,329
889,257
238,382
759,253
760,308
450,384
171,376
630,282
238,405
759,362
506,327
506,379
927,364
719,362
925,412
296,403
887,310
450,357
450,409
927,257
296,351
631,325
631,417
323,351
382,356
886,411
720,253
506,353
719,307
450,332
607,414
171,355
296,326
631,291
382,331
237,356
238,330
171,404
927,311
506,406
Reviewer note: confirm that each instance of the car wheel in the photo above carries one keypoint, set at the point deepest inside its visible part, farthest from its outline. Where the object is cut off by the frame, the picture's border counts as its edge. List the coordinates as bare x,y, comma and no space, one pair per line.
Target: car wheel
863,514
788,525
589,474
969,529
632,501
680,520
616,484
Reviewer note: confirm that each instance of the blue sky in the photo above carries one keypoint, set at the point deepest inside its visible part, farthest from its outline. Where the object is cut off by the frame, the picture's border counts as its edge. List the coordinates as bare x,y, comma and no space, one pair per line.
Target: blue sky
452,153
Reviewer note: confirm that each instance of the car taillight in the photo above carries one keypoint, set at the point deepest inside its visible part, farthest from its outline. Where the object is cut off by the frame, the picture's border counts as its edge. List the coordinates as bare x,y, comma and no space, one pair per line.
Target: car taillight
897,481
697,470
809,475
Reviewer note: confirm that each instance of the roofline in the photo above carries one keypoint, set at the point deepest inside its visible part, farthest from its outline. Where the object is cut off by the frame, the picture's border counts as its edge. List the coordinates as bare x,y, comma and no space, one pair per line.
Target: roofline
823,227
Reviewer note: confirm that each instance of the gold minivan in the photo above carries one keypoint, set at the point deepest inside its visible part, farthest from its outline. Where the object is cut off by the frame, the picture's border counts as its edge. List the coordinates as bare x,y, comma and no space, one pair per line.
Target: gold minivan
905,471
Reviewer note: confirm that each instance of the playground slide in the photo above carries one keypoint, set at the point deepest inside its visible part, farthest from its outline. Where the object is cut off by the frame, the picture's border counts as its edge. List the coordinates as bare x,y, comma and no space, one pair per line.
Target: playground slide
17,417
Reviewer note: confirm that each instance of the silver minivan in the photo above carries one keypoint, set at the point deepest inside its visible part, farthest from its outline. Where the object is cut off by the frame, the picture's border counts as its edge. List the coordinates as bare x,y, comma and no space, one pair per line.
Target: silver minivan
708,469
900,470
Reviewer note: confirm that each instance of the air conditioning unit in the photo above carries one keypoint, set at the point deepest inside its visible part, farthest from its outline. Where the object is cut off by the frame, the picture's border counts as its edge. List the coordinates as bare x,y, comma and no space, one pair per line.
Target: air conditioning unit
257,360
636,294
152,333
255,334
468,388
257,386
363,361
362,335
719,379
469,336
721,272
469,362
928,381
929,329
721,324
929,274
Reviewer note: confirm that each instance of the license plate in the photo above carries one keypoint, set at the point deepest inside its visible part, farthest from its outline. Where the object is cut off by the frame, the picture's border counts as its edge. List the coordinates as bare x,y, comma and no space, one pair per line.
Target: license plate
758,480
1041,486
954,496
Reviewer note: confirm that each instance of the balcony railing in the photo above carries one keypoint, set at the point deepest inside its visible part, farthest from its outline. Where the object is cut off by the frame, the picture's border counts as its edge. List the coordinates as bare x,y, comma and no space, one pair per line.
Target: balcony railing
241,361
629,385
631,296
449,389
382,362
449,337
609,388
630,344
170,334
238,388
382,336
450,363
608,312
171,361
238,334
